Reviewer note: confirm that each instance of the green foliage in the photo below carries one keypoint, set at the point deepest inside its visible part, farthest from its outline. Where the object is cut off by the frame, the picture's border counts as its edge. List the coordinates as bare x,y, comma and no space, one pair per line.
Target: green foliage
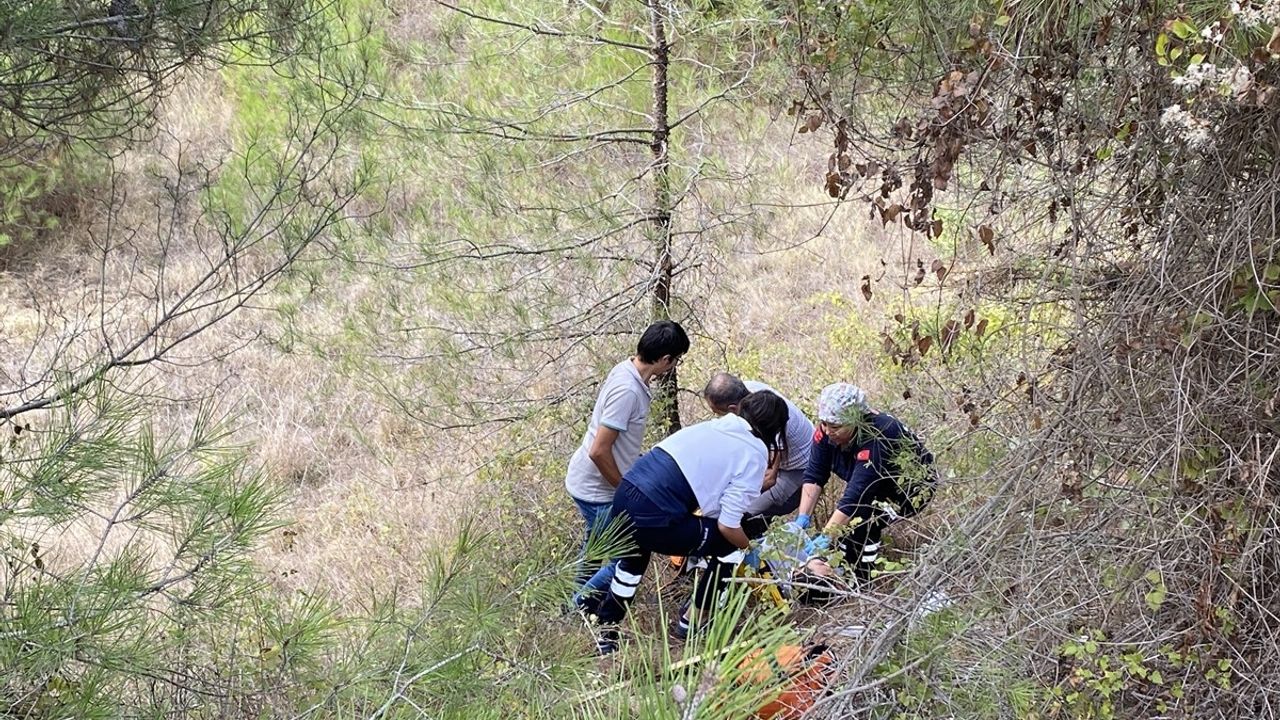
44,192
93,70
1107,676
946,666
126,565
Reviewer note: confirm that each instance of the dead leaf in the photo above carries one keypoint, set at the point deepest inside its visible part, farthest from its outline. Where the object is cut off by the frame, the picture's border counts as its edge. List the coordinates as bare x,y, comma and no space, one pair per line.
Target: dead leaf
936,227
866,286
949,333
906,394
940,270
833,184
919,278
988,238
981,329
968,318
890,214
813,122
923,345
1273,45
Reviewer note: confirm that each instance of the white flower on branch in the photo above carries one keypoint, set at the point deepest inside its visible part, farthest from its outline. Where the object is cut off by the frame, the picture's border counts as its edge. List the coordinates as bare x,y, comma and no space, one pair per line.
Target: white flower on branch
1250,14
1214,32
1174,116
1183,125
1239,80
1197,76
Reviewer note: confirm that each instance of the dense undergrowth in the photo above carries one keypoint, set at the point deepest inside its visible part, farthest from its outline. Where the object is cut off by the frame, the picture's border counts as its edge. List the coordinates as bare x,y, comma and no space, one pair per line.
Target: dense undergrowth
302,454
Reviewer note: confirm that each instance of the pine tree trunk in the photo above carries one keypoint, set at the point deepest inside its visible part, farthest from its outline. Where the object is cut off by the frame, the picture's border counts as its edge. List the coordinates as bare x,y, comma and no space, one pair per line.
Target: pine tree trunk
663,267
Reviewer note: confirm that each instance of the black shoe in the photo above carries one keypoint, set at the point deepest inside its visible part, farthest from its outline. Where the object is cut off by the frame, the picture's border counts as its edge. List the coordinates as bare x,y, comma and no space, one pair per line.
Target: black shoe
681,629
606,641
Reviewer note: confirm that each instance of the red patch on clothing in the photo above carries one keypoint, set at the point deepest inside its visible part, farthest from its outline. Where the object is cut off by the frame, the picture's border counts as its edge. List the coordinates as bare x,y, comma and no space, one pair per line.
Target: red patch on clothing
817,435
864,455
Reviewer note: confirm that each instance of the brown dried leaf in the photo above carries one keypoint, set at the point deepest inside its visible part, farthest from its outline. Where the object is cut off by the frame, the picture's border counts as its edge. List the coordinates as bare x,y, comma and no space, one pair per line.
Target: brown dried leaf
981,329
936,228
919,278
1273,45
833,184
940,270
923,345
813,122
988,238
949,333
890,214
968,318
866,286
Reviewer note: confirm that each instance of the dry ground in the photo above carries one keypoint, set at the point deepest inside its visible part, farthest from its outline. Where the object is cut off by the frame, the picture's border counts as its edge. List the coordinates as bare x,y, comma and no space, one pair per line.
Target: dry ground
369,491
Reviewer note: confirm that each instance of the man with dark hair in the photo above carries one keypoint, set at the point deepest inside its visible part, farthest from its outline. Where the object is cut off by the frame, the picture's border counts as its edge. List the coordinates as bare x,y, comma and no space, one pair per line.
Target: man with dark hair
784,476
612,442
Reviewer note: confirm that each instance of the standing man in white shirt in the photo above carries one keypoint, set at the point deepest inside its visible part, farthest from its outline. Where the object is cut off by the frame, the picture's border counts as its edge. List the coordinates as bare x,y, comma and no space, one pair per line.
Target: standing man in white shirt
613,438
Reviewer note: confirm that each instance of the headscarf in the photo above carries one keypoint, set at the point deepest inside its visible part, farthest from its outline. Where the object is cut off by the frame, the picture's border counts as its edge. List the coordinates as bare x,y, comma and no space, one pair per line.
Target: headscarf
841,403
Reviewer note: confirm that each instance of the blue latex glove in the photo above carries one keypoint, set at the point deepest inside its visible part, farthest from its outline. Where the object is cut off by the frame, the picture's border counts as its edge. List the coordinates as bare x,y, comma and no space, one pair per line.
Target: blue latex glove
796,529
817,545
802,521
752,558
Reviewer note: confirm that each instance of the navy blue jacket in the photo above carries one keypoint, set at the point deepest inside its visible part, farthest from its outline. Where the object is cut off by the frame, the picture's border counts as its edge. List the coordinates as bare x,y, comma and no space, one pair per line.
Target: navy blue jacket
887,451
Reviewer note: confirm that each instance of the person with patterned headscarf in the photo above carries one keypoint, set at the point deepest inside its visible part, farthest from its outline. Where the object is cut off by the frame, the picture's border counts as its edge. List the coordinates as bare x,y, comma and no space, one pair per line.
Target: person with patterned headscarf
887,470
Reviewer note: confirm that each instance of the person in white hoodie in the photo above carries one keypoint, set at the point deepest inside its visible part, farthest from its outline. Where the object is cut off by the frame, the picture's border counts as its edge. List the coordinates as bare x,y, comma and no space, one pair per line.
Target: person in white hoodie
687,496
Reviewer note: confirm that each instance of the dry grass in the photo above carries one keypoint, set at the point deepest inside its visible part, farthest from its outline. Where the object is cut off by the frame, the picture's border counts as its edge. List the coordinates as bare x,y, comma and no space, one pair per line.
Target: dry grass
369,490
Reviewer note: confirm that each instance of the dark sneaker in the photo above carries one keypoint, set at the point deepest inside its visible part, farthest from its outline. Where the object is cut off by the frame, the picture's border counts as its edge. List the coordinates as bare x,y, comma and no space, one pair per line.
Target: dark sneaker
681,628
606,641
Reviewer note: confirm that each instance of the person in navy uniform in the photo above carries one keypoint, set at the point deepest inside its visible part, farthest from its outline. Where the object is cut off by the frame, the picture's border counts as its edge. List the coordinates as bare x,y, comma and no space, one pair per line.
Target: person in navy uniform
689,496
888,474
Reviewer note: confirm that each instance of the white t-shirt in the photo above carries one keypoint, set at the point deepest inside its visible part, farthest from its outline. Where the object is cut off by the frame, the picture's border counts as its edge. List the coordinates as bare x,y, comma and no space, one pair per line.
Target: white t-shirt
622,405
799,430
723,463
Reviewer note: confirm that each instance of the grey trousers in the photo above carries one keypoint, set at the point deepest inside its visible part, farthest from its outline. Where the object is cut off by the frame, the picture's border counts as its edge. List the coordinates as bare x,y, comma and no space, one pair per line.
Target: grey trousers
781,499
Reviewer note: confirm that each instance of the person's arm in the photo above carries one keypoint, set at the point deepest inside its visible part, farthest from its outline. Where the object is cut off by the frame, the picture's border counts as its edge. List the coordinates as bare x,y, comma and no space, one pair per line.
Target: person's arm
855,489
737,497
771,472
816,473
809,495
735,535
601,453
616,409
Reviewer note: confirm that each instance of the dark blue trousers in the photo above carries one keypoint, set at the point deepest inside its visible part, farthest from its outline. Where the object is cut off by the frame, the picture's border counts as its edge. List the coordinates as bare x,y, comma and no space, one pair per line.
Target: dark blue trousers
657,506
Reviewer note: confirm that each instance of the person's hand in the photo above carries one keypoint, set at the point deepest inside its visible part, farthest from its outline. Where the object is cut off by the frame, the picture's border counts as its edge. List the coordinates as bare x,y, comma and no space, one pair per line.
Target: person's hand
817,545
796,529
803,520
752,558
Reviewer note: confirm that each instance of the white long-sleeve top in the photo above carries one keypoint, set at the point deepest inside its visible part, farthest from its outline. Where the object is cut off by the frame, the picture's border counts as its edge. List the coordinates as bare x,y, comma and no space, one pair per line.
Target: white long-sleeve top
724,464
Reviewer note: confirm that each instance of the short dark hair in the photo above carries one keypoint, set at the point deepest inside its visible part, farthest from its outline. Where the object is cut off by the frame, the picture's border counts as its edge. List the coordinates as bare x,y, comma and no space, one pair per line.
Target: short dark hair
660,339
766,413
724,389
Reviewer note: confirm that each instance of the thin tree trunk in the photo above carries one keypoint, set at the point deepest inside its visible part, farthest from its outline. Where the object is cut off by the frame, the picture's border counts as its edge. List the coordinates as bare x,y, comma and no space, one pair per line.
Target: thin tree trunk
663,266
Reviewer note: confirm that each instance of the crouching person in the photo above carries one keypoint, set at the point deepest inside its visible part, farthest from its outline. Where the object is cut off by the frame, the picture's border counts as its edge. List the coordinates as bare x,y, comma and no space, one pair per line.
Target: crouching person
887,470
714,466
